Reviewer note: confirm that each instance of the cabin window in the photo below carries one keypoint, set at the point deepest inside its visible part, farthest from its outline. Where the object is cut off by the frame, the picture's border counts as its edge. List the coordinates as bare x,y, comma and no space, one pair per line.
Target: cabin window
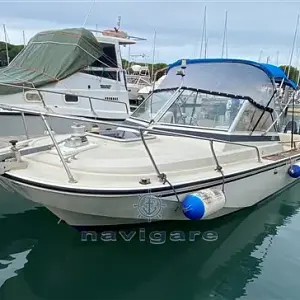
33,96
71,98
108,59
202,110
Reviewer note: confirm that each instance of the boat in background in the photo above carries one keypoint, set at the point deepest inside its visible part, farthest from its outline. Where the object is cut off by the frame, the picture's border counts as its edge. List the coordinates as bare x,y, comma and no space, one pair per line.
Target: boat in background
184,154
74,71
146,90
137,77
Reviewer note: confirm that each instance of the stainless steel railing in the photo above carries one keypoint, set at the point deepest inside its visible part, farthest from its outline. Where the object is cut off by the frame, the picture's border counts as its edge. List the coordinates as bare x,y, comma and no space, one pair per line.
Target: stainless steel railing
141,130
61,93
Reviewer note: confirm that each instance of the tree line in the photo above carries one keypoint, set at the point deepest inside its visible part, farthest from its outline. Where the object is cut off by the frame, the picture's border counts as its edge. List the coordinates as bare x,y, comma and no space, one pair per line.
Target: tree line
13,50
292,73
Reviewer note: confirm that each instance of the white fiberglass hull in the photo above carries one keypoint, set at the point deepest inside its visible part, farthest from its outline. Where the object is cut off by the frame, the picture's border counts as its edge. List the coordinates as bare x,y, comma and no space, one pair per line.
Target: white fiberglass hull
79,209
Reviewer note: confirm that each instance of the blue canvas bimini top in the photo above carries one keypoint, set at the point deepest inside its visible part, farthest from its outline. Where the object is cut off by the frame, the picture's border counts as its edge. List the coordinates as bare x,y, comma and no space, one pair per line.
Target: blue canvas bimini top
272,71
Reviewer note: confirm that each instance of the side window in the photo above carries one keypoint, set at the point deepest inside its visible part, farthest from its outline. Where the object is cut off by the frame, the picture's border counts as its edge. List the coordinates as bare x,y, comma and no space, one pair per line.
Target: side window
250,117
32,96
71,98
108,59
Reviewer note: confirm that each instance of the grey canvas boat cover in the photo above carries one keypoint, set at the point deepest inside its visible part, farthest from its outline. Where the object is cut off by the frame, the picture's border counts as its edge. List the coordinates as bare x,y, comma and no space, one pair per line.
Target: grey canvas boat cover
50,56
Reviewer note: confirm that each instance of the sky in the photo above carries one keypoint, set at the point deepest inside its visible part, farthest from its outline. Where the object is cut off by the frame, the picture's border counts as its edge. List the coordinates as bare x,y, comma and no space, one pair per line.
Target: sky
256,30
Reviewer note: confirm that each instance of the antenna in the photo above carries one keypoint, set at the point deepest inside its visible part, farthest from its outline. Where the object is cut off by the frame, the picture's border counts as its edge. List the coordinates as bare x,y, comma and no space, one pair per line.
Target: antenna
293,47
203,39
118,23
225,37
6,46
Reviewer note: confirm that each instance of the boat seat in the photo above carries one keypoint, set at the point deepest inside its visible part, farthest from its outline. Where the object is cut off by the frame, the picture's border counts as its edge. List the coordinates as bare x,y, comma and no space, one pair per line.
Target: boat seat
291,126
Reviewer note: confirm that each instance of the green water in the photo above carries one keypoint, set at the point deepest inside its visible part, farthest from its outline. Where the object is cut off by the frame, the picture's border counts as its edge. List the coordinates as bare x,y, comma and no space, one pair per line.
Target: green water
255,255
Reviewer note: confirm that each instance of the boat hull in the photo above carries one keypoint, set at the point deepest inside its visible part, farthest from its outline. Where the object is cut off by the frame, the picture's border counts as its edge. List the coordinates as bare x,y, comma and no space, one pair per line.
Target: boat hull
80,209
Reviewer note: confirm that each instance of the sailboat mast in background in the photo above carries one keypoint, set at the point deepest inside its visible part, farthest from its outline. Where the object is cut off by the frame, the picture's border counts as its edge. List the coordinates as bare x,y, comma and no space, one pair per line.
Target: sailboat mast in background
204,38
6,46
225,44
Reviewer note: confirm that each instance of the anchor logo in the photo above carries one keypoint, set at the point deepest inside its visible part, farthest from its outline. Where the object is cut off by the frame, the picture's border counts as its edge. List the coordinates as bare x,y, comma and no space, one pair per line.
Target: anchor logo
149,207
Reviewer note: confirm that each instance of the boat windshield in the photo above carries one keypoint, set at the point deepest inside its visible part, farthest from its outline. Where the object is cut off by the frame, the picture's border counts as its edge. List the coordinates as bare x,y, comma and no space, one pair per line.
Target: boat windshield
152,105
203,110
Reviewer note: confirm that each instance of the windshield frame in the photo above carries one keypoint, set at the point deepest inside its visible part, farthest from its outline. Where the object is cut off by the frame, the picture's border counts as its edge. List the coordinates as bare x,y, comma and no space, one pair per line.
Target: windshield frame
180,90
163,108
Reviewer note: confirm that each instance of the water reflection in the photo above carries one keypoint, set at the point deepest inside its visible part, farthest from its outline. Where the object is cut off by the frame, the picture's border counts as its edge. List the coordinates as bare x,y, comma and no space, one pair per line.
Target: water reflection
60,266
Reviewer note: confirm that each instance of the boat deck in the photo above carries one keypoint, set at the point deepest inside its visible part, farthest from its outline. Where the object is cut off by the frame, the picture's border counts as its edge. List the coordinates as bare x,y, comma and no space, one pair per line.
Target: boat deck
112,164
278,156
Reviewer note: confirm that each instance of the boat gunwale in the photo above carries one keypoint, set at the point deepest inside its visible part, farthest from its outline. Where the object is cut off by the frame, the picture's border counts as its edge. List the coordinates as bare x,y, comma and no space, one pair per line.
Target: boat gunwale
166,190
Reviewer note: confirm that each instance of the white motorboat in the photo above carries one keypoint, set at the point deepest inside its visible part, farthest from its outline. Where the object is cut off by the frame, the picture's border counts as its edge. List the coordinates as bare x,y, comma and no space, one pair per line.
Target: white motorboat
137,77
70,71
146,90
181,155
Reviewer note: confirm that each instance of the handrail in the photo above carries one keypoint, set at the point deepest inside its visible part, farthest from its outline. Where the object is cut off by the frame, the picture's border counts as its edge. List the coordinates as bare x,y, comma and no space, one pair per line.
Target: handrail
61,93
137,128
207,139
25,125
71,178
141,130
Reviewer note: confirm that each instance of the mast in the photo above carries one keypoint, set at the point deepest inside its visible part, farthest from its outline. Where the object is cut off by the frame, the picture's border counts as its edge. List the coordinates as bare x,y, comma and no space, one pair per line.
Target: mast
153,54
288,73
298,64
260,55
24,40
129,56
225,38
205,49
203,39
6,46
88,14
293,47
